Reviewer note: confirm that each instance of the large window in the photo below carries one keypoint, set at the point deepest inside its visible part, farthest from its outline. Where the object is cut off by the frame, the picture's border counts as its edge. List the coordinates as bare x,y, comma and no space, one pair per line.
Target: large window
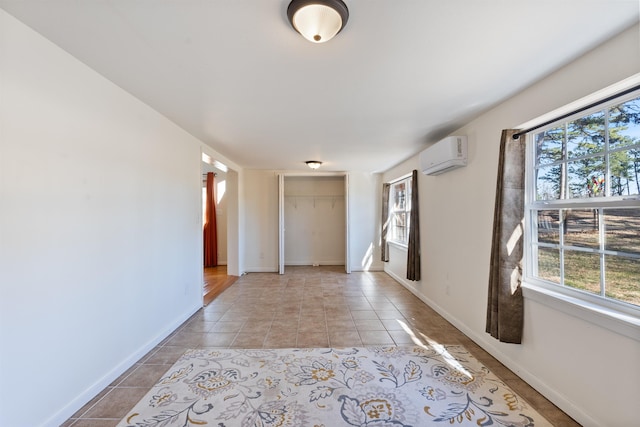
583,205
399,211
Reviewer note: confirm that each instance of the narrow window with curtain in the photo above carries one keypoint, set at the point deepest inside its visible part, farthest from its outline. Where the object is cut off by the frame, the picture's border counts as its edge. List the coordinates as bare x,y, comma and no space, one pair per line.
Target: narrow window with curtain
384,246
400,221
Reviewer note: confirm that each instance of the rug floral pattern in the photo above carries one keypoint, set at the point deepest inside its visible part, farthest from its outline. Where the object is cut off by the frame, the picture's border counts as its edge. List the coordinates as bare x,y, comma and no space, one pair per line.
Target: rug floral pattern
373,386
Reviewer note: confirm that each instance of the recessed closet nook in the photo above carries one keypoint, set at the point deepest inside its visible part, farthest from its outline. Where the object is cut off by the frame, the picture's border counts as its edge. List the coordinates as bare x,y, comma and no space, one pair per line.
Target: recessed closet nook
313,220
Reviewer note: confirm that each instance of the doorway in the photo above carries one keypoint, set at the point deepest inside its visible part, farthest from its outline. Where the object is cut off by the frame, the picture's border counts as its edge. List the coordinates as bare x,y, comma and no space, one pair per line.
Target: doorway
313,225
218,269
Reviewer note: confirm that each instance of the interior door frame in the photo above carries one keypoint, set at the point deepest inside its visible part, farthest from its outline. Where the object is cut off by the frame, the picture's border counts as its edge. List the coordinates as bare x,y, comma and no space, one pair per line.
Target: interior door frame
281,221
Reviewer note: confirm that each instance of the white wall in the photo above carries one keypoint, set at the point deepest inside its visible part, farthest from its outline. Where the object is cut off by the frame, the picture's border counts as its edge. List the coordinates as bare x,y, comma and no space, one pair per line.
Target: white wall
589,371
100,238
365,199
261,220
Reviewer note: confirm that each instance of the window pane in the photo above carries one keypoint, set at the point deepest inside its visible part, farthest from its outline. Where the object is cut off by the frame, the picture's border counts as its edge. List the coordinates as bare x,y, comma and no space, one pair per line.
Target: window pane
549,145
549,183
625,172
581,228
623,279
586,135
586,178
399,196
624,124
549,226
399,226
549,264
582,271
622,230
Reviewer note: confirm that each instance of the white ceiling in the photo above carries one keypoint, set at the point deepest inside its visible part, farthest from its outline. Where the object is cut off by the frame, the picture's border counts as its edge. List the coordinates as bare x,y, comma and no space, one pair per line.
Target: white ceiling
402,74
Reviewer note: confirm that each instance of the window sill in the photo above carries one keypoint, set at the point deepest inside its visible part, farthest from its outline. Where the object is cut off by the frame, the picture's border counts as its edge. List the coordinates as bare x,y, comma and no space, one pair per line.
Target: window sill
399,245
620,323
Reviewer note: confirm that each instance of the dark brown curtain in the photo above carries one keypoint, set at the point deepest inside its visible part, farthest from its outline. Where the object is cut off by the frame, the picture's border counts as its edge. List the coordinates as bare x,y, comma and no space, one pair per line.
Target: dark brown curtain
505,308
386,188
210,232
413,253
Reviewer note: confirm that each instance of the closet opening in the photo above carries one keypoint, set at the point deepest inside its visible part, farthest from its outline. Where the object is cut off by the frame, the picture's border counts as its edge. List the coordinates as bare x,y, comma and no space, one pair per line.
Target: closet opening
313,226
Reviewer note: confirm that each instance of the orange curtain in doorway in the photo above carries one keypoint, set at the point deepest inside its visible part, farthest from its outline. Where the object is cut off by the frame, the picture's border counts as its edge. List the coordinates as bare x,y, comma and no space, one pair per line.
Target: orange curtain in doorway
210,231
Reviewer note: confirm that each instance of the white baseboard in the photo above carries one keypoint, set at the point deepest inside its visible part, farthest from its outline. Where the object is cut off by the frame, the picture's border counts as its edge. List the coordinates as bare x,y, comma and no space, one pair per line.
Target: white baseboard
360,269
67,411
485,341
275,269
261,270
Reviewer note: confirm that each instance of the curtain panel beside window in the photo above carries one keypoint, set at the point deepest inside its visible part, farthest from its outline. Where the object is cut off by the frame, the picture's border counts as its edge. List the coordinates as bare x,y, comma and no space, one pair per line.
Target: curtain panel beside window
413,252
210,226
505,306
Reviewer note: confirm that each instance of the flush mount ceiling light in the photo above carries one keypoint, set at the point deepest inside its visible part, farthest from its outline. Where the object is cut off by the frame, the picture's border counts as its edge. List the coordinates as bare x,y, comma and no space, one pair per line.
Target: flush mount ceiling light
313,164
318,20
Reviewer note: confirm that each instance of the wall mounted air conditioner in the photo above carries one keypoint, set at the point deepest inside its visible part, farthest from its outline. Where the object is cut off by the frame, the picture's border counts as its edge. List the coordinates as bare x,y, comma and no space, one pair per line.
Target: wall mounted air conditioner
445,155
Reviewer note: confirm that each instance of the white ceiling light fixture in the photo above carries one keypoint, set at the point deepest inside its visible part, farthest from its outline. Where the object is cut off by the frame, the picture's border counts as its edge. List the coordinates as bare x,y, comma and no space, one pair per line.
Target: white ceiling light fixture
313,164
318,20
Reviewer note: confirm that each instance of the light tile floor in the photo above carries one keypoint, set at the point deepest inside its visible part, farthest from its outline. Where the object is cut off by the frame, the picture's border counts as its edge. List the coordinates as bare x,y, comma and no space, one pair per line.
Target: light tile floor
306,307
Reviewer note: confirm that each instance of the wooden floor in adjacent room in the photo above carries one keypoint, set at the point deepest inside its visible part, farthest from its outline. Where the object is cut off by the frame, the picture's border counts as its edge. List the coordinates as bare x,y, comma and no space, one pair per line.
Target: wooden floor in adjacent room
216,280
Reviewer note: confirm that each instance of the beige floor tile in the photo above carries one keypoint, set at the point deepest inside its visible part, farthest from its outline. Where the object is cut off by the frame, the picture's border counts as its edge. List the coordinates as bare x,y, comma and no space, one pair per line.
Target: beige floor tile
340,325
383,306
248,340
198,326
235,317
344,315
389,314
376,338
280,339
165,355
285,325
394,324
404,338
313,339
368,325
101,422
124,375
256,327
79,413
187,339
345,339
145,376
364,315
116,403
228,326
219,339
213,314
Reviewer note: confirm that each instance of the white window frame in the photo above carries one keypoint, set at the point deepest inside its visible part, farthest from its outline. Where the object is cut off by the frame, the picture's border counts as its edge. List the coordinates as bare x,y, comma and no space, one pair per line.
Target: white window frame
393,210
621,317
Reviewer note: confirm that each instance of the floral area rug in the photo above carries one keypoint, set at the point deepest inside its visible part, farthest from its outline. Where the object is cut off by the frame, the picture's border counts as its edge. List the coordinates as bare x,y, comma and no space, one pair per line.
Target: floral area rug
322,387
